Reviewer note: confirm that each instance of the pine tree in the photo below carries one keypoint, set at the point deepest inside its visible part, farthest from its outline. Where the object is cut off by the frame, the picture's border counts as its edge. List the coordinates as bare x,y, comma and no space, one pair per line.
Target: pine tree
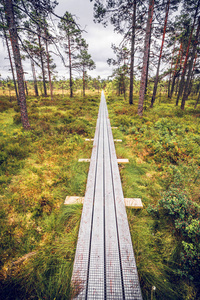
84,61
191,63
71,36
123,16
181,86
160,55
145,58
5,33
10,17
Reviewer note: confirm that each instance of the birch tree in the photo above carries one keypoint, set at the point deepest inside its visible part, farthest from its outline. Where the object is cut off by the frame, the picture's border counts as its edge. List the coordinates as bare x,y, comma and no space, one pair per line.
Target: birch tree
71,36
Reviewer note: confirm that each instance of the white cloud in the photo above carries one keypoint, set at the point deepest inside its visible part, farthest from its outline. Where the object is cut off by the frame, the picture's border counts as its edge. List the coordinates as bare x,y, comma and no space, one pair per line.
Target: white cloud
98,38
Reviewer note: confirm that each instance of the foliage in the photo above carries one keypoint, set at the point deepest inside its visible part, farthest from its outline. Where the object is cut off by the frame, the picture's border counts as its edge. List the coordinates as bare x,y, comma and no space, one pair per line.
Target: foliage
166,256
184,215
40,168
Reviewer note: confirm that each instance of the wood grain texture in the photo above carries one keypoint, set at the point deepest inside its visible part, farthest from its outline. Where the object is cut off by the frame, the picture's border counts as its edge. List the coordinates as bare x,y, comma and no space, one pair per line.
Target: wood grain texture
104,266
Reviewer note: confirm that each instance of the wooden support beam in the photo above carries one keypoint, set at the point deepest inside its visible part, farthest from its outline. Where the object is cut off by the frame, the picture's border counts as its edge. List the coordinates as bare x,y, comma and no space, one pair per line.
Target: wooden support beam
84,160
120,160
129,202
91,140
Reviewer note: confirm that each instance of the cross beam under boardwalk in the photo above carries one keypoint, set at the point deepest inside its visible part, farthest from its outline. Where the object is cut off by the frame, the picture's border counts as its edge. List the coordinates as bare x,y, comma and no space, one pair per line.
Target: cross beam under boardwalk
104,266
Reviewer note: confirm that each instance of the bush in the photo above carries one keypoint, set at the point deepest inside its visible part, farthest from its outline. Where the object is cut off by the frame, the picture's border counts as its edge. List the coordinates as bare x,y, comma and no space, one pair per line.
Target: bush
183,214
79,127
17,119
4,105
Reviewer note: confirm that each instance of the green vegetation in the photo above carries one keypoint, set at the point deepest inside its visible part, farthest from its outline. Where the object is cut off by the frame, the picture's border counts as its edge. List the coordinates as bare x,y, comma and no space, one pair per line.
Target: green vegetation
39,168
164,170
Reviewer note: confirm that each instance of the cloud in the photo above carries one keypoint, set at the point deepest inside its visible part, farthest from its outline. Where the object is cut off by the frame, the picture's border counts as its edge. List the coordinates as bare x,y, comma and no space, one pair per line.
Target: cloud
98,38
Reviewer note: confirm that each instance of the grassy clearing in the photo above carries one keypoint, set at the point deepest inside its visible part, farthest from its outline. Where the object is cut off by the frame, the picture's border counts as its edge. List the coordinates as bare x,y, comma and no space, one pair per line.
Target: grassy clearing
38,169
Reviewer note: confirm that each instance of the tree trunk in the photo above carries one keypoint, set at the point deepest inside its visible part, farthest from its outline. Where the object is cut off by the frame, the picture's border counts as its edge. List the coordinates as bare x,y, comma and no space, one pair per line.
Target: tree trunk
170,74
160,56
145,58
132,53
10,59
174,75
83,83
18,64
124,85
25,85
70,68
197,101
192,76
42,62
48,65
34,79
177,85
147,74
186,89
181,87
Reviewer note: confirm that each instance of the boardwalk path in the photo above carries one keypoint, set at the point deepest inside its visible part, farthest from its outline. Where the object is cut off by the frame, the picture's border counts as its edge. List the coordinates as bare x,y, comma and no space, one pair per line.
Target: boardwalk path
104,266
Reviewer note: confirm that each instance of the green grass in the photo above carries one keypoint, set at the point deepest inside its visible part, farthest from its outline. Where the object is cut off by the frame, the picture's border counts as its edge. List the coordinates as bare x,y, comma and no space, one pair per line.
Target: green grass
38,169
163,150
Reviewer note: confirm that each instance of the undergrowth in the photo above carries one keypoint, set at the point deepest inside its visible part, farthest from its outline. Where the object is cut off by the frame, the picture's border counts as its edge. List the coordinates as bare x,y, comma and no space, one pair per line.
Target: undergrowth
164,171
38,169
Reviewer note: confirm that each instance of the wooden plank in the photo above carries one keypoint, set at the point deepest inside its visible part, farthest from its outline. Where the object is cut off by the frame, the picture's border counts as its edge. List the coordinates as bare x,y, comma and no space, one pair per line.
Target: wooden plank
129,202
95,286
84,160
129,270
114,289
133,202
74,200
80,269
120,160
91,140
104,266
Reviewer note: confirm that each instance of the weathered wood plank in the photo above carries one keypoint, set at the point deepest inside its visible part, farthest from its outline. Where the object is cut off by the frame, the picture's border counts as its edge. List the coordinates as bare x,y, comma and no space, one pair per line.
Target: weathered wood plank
80,269
104,266
114,289
95,287
129,270
130,202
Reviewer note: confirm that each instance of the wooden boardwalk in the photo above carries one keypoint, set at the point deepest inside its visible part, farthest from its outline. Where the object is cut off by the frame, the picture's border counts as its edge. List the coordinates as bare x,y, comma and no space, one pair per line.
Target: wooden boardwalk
104,266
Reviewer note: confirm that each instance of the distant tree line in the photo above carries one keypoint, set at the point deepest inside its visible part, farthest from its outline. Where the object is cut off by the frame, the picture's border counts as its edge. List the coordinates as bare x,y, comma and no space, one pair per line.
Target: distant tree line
60,86
159,37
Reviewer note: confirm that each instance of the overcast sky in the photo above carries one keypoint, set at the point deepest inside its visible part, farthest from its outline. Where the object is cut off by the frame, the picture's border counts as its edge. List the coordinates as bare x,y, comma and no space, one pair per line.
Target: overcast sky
98,38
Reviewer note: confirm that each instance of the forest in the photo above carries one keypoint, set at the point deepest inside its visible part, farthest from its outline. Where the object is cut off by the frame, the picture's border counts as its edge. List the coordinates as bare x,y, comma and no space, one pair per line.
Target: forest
153,98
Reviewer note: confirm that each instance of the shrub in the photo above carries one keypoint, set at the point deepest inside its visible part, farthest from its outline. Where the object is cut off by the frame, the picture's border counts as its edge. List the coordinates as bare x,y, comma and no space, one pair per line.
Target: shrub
183,214
4,105
17,119
79,127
